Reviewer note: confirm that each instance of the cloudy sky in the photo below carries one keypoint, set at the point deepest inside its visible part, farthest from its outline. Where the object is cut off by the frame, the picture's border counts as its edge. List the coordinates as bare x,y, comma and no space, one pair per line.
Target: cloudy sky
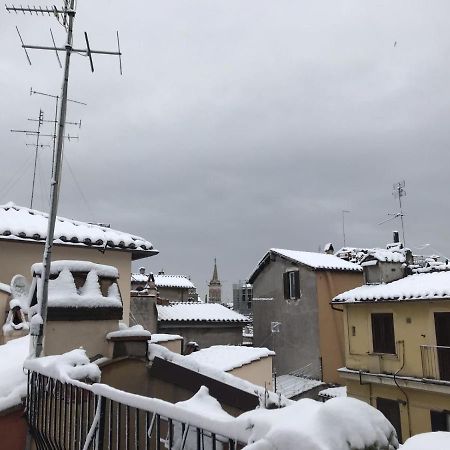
241,125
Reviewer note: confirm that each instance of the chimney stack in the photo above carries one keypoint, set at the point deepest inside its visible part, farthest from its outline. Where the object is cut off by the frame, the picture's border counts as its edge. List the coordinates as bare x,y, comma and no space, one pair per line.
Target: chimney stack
396,237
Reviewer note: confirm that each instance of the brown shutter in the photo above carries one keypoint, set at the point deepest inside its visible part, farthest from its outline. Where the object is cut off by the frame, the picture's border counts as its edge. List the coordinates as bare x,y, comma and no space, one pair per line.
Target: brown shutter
286,285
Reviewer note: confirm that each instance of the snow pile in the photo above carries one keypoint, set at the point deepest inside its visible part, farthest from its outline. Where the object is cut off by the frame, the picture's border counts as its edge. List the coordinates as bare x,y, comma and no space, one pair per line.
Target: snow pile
73,365
439,440
124,331
5,288
318,260
426,286
339,391
18,222
209,312
63,292
56,267
338,424
386,255
229,357
293,385
13,381
155,350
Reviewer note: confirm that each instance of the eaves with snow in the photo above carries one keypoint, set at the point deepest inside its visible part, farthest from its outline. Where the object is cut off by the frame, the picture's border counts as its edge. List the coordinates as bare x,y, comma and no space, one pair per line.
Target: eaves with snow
315,261
418,287
198,312
18,223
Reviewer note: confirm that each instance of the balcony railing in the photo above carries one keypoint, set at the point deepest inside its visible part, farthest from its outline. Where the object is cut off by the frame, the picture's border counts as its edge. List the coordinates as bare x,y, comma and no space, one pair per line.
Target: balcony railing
66,416
435,362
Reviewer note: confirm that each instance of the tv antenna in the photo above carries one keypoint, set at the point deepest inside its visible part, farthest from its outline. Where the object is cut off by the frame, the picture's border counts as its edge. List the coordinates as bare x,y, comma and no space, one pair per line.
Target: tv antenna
55,121
66,17
398,191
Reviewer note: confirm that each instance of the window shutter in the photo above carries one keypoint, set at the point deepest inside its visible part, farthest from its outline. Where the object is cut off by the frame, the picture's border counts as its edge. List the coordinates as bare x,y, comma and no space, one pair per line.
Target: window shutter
297,284
286,285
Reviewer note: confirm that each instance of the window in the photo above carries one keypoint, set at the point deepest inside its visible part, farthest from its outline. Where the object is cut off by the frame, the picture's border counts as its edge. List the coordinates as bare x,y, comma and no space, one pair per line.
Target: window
383,333
291,281
440,421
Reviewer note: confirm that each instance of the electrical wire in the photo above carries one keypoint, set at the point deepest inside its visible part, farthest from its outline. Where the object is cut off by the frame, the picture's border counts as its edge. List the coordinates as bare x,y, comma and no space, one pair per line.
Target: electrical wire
16,178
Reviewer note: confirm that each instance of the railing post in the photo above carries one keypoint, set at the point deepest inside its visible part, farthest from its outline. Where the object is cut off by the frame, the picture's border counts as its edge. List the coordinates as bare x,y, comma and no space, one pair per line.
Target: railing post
101,424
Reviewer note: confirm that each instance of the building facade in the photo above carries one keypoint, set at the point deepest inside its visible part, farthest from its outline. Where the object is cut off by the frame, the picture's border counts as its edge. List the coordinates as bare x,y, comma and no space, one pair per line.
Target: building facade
242,297
292,292
397,349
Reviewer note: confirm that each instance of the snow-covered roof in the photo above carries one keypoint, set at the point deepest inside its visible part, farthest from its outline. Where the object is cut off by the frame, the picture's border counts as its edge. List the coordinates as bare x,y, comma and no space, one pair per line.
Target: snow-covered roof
423,286
229,357
292,385
175,281
437,440
198,312
13,381
76,266
383,255
162,337
317,261
25,224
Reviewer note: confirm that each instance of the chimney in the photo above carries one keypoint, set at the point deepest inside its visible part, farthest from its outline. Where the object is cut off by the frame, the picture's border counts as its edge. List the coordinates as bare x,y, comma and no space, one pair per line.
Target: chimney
329,249
161,272
396,237
142,270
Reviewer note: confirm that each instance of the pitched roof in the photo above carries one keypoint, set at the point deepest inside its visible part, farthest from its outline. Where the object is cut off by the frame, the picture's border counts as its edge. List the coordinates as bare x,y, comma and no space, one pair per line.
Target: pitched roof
25,224
229,357
175,281
423,286
198,312
316,261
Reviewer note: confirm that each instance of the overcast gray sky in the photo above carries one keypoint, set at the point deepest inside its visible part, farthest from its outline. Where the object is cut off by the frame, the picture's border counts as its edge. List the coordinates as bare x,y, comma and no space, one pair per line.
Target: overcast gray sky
241,125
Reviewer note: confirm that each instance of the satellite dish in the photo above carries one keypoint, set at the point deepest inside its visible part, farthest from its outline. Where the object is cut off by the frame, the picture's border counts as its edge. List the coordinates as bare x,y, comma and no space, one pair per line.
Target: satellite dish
19,286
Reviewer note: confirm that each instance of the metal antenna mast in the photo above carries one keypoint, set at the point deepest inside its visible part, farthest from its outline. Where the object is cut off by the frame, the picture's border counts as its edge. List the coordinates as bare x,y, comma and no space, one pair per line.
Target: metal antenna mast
40,121
65,16
399,192
55,122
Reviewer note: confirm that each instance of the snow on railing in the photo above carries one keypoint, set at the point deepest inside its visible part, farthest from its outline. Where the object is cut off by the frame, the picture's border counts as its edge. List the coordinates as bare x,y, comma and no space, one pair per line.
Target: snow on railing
72,414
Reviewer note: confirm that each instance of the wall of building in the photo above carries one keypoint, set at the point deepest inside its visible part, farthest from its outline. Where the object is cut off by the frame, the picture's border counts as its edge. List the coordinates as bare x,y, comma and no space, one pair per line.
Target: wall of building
297,344
331,322
257,372
215,334
415,415
13,429
413,327
242,298
16,257
63,336
176,294
143,312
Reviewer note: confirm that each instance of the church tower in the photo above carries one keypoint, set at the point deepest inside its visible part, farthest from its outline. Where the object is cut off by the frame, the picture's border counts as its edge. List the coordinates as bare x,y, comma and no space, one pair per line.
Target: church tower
215,287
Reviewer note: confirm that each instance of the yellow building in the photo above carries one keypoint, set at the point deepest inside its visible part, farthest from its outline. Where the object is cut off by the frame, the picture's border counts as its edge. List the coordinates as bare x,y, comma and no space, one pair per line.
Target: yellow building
397,348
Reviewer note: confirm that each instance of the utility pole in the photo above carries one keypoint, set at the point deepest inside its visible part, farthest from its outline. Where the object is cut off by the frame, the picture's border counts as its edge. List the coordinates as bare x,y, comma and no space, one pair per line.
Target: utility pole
66,16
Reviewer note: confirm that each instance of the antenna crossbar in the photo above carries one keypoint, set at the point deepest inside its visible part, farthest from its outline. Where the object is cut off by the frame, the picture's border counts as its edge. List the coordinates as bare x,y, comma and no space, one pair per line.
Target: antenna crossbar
84,51
38,10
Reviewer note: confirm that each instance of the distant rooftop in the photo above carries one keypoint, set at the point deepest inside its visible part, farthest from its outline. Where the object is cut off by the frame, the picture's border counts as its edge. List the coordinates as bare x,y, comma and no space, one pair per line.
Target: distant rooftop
229,357
24,224
423,286
198,312
316,261
175,281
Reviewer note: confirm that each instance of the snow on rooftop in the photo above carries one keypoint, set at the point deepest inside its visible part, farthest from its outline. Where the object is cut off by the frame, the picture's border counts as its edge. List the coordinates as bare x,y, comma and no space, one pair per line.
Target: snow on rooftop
318,260
424,286
439,440
162,337
20,223
383,255
76,266
209,312
292,385
175,281
125,331
13,381
332,392
229,357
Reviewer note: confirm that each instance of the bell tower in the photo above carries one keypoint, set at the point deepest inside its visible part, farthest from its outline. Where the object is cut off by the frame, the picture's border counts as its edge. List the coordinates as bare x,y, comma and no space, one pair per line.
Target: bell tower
215,287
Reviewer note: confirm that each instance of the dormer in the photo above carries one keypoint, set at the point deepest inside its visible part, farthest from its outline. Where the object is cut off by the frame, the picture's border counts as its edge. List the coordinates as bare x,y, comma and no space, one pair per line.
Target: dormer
383,266
84,305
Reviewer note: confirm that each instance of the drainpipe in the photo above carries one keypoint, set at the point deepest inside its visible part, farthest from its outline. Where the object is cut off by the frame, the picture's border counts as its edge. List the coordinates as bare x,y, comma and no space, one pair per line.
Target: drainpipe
399,387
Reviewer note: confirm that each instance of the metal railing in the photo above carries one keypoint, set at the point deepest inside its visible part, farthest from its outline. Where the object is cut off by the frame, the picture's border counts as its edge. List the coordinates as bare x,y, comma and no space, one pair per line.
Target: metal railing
435,362
64,416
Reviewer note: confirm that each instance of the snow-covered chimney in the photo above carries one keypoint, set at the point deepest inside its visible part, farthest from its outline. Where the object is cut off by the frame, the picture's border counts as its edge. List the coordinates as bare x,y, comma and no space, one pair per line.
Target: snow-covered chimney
396,237
329,249
142,270
161,272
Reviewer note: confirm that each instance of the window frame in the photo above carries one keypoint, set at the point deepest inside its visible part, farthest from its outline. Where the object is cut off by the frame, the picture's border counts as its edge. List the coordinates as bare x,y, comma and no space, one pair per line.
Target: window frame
381,332
291,284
